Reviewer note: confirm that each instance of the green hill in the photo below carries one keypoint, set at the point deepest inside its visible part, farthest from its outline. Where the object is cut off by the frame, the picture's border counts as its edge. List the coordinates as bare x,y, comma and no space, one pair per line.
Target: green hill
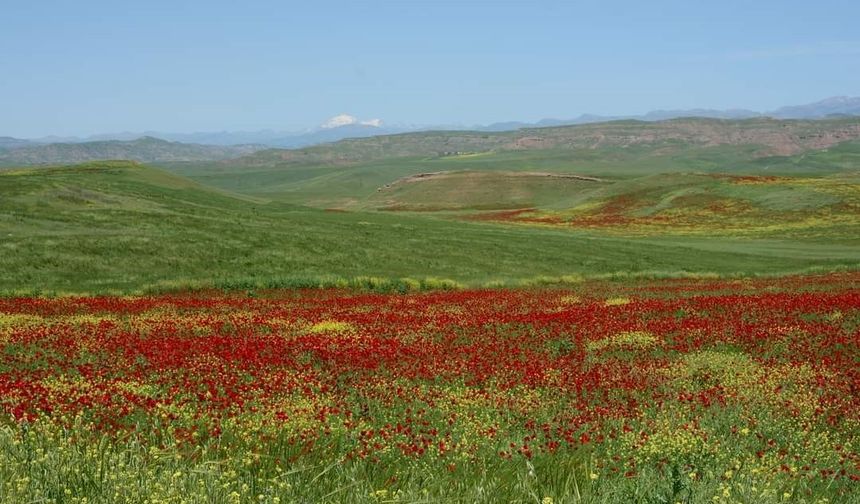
146,149
707,204
122,226
768,136
480,190
692,191
350,173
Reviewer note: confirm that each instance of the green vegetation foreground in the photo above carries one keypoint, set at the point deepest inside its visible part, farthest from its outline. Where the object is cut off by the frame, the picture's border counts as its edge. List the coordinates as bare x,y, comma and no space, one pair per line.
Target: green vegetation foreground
122,227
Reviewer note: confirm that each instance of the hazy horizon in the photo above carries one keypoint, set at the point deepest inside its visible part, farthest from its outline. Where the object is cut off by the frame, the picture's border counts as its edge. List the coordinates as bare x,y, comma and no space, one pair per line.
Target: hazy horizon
84,68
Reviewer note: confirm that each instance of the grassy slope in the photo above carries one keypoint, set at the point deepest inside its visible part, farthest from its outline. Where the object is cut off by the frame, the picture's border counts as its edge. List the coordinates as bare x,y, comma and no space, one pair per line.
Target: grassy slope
121,226
479,190
646,191
355,185
797,207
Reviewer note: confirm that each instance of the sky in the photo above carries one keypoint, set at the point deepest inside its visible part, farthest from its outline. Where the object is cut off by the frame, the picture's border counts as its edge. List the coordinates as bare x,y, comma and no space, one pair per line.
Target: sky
86,67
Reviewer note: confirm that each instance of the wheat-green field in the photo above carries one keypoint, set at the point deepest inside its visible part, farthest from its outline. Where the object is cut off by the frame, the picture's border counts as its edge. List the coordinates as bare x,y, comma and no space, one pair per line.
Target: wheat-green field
125,227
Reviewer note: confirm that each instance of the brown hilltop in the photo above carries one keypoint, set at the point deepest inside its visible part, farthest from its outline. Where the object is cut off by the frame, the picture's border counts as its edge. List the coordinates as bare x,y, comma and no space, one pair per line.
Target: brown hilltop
770,137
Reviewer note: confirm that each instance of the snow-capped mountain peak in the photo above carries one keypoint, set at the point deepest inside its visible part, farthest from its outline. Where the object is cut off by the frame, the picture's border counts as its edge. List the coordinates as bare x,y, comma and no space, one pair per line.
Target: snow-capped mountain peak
376,123
349,120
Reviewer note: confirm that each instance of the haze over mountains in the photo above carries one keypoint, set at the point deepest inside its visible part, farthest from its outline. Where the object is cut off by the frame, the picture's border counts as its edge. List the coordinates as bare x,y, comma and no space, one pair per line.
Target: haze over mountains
146,149
336,128
829,107
153,146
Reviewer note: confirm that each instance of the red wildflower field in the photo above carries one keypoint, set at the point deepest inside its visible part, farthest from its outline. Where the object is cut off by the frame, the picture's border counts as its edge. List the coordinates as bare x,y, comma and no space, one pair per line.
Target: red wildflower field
733,391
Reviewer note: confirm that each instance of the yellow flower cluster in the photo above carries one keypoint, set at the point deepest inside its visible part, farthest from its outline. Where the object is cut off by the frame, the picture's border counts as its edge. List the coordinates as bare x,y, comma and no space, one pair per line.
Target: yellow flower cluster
616,301
331,327
628,339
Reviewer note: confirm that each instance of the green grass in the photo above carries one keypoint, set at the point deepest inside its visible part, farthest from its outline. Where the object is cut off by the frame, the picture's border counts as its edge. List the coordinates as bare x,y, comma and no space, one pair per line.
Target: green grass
355,184
479,190
131,471
819,208
122,227
819,200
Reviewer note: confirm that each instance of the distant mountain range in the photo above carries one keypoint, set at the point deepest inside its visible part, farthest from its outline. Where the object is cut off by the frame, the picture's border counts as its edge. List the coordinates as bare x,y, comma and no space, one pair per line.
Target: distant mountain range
760,136
268,138
146,149
334,129
836,106
157,147
830,107
13,143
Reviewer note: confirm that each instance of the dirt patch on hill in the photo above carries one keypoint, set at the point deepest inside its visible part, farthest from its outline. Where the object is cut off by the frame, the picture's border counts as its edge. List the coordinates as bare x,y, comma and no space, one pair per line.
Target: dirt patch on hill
423,177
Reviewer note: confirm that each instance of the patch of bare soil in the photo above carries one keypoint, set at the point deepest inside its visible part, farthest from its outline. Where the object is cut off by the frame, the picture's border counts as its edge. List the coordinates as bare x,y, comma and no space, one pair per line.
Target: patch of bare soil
422,177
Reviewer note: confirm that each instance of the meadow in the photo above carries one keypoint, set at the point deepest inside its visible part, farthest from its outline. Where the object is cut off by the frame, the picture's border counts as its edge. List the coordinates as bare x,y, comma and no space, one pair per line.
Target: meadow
624,312
694,391
125,228
607,182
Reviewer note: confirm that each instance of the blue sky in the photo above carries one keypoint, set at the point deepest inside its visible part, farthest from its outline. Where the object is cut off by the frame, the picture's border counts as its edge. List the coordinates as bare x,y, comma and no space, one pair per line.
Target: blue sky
85,67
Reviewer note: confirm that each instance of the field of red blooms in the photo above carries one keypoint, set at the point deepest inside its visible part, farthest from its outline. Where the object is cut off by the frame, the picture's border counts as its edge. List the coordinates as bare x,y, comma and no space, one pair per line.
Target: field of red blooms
744,388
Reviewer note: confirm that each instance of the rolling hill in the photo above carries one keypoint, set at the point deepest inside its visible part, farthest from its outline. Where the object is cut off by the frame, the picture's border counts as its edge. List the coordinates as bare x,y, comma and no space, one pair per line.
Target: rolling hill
768,136
146,149
708,205
356,174
124,227
478,190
